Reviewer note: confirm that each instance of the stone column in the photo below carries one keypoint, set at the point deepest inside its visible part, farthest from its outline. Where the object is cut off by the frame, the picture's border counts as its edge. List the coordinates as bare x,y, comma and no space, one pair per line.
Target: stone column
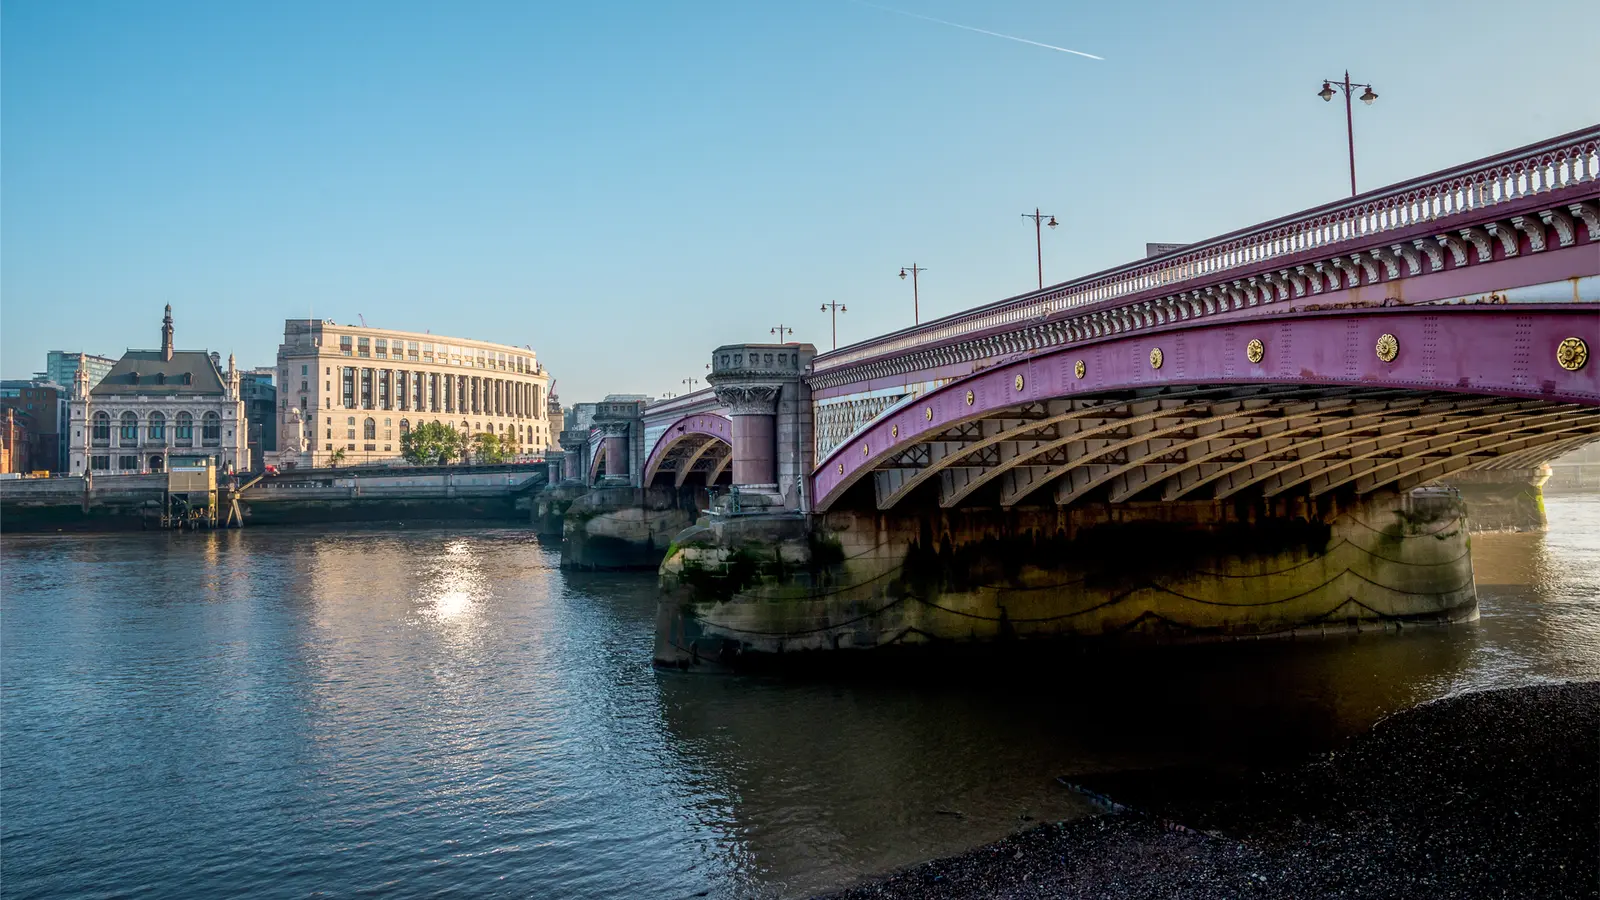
616,447
754,408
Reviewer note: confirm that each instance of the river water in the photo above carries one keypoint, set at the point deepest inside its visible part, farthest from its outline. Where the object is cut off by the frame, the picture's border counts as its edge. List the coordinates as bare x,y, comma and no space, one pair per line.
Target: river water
425,712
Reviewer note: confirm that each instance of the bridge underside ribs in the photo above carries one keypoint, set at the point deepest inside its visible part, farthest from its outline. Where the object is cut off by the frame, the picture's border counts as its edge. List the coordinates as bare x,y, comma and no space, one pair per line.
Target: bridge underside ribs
696,459
1220,442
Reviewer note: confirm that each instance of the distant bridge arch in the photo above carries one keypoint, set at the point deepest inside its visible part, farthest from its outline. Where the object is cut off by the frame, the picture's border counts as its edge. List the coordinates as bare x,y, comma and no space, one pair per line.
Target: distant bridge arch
695,446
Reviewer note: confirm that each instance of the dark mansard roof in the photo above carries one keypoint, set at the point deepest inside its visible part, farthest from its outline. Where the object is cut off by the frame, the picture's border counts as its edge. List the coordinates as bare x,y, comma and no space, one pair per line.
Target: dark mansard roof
189,373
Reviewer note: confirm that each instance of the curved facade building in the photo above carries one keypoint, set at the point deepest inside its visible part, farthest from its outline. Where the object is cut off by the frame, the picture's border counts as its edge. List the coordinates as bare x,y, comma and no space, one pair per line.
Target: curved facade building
357,390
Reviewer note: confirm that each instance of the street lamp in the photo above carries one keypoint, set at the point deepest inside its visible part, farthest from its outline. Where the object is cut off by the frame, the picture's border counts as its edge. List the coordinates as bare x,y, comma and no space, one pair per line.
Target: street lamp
1367,96
836,308
780,331
916,303
1038,240
689,383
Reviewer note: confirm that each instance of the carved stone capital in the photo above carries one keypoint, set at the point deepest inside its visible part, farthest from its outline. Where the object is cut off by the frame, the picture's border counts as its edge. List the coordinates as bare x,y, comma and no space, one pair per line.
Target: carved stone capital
749,399
613,429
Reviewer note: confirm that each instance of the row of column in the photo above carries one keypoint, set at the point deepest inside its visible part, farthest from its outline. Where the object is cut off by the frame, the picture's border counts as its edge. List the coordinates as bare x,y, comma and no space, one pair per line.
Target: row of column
405,390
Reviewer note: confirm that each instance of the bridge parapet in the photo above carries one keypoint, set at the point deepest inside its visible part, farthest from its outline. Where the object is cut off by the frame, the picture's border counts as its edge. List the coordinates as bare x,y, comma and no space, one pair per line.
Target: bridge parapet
1535,199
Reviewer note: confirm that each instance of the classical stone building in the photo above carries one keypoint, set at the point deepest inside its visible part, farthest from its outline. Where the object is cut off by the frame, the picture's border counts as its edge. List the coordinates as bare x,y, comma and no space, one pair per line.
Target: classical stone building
356,390
154,404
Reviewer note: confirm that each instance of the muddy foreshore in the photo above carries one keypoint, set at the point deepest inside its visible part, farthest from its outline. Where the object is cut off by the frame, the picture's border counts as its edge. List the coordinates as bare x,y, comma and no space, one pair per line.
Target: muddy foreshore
1489,794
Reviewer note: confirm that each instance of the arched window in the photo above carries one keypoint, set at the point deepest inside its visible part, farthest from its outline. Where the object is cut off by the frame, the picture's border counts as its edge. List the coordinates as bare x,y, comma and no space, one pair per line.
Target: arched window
210,429
158,427
128,430
369,429
102,429
183,429
405,426
157,464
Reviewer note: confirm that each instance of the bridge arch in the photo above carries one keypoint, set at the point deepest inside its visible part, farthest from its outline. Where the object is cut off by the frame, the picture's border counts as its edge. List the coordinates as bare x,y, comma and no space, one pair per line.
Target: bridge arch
694,445
1303,404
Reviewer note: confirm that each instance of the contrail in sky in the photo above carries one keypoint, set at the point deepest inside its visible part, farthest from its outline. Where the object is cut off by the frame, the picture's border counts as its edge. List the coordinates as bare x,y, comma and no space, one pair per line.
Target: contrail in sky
1009,37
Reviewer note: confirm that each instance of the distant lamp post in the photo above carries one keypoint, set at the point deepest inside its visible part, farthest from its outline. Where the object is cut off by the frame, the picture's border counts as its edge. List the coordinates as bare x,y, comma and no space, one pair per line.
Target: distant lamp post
780,331
916,303
1331,88
690,383
835,308
1038,239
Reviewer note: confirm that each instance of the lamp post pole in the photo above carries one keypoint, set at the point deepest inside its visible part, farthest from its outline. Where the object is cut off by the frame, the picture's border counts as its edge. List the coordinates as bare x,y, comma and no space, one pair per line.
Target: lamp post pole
689,383
780,331
835,308
1038,239
1367,96
916,302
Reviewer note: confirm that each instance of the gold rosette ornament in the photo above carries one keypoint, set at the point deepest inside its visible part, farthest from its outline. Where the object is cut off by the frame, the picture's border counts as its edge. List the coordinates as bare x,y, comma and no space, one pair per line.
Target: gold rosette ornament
1388,347
1255,350
1572,354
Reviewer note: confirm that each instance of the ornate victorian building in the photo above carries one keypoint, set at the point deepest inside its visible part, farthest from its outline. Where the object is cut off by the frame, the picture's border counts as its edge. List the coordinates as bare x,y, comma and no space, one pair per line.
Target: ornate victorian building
355,391
154,404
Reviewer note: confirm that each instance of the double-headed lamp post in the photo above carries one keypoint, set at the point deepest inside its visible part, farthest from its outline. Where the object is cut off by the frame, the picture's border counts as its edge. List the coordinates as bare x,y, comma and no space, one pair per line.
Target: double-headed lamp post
836,308
1368,95
780,331
916,302
1038,239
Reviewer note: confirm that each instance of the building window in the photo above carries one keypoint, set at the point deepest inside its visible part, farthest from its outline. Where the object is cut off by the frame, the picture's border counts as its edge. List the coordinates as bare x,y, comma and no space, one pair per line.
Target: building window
328,446
128,431
349,446
427,351
369,429
100,463
128,463
183,430
382,348
210,429
304,386
348,387
411,350
330,435
101,433
158,427
405,427
363,347
344,344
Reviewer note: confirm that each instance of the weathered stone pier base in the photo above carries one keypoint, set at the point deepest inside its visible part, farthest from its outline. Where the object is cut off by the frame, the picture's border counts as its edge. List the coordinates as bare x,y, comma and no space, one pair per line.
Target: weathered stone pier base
753,590
1503,499
626,527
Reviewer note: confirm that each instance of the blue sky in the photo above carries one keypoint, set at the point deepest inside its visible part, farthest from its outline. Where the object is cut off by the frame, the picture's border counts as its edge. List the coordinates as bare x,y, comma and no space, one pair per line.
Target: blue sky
626,185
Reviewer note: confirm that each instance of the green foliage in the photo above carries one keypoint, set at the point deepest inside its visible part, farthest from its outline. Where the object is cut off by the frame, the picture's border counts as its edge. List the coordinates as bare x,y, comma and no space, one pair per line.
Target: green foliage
336,458
488,449
432,443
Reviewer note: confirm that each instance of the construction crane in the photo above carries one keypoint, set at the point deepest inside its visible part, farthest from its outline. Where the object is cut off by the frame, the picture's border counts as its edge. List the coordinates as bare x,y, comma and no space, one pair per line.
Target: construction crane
363,319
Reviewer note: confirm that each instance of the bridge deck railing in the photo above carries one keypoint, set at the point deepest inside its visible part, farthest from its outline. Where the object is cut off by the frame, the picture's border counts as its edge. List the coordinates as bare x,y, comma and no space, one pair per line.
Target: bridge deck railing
1566,161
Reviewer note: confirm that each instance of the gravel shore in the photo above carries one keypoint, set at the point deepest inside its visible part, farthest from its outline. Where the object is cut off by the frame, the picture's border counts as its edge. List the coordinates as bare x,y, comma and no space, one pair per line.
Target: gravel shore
1489,794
